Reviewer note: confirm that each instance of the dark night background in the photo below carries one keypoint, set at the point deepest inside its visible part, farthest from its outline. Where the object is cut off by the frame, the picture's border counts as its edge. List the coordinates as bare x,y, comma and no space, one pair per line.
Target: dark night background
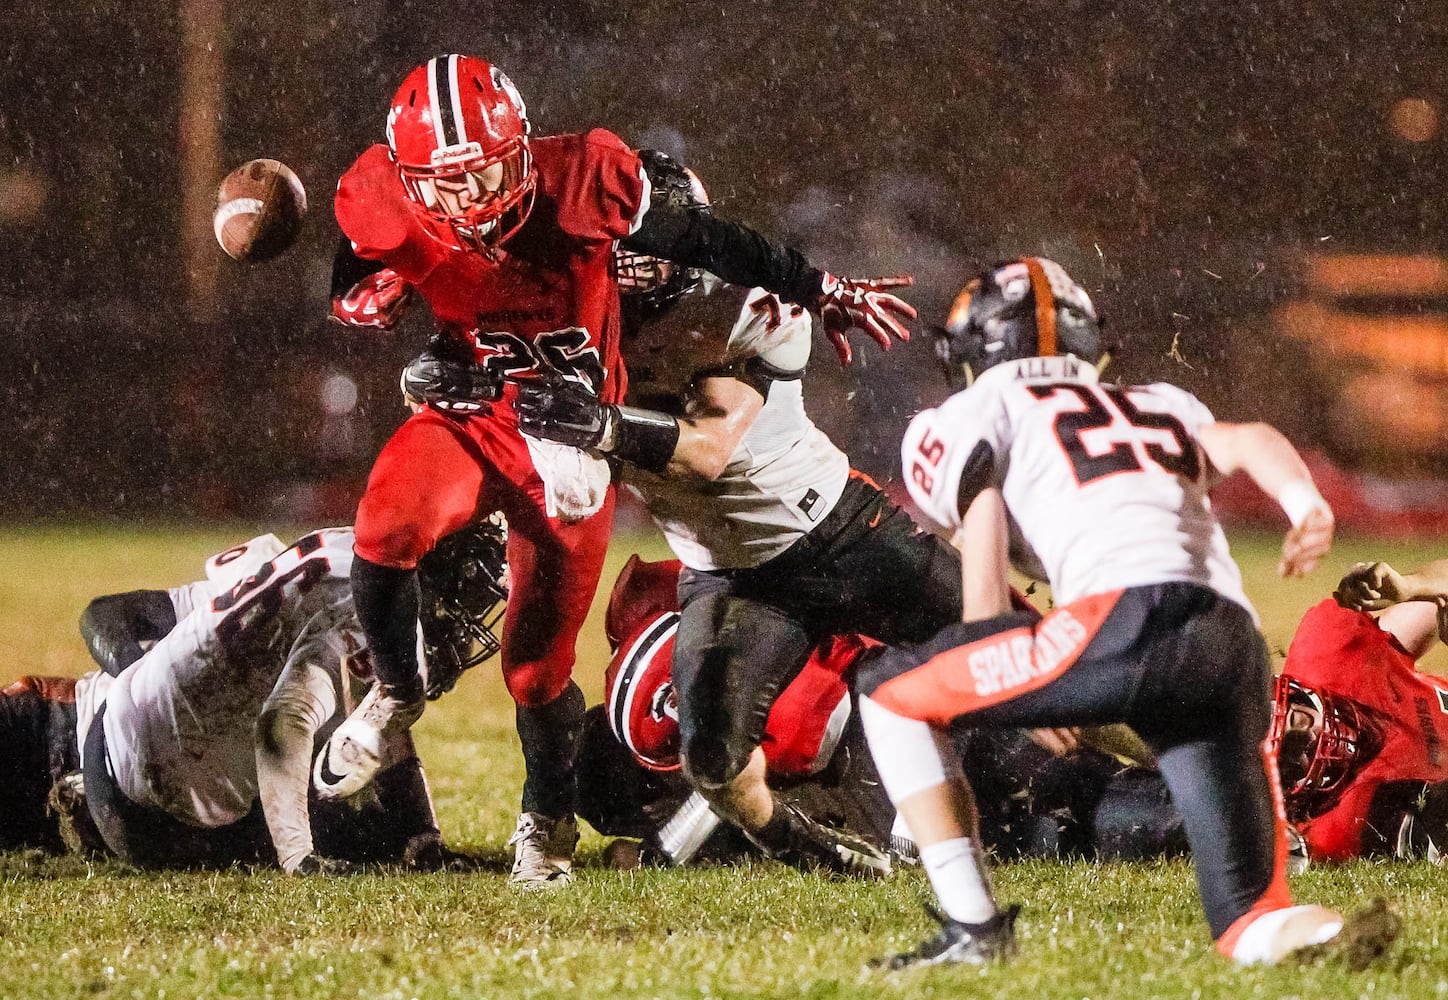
1183,161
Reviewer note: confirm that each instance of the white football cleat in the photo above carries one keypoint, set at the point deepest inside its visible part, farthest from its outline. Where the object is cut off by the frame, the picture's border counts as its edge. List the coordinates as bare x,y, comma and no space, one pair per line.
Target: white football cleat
366,742
1276,934
543,852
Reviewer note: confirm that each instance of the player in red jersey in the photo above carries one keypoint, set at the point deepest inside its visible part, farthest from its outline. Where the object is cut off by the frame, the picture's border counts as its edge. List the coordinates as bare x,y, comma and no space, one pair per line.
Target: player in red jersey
1359,731
510,240
1035,803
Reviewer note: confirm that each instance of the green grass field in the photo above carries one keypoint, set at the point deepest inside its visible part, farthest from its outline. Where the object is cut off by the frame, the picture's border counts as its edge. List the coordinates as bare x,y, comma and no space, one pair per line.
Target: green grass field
68,928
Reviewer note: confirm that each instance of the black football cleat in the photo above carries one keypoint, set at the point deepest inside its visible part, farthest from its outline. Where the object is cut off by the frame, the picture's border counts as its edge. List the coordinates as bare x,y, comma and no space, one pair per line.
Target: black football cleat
959,943
813,847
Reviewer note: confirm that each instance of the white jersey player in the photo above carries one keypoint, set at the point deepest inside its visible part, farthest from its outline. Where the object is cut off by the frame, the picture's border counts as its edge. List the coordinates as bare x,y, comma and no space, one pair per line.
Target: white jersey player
1102,491
783,544
224,708
738,509
1122,459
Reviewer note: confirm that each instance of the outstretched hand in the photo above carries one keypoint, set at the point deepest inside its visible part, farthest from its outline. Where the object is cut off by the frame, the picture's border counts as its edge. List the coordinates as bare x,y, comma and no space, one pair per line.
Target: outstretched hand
1306,543
1371,587
846,304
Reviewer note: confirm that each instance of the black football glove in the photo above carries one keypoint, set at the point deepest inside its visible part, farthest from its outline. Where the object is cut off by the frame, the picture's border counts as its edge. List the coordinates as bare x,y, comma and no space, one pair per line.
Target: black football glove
449,384
556,409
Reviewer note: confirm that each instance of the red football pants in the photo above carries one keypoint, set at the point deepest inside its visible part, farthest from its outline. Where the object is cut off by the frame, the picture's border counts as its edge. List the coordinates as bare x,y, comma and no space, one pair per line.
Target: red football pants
435,475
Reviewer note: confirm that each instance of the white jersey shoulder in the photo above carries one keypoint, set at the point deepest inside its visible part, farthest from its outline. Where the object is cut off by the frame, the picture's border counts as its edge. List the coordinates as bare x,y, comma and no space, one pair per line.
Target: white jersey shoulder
223,571
774,331
180,723
784,475
1106,485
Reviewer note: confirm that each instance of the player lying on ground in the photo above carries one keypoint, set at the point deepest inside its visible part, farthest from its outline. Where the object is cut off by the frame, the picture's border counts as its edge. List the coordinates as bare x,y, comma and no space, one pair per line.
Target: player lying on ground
1358,730
1102,491
199,749
509,237
38,749
1036,803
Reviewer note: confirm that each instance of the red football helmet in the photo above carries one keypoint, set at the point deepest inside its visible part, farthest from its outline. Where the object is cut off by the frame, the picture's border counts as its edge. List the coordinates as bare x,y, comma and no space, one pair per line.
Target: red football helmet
642,709
643,591
458,132
1319,740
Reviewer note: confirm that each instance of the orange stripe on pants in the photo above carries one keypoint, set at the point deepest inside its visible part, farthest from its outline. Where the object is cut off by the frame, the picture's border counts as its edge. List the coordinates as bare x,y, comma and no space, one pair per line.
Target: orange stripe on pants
1277,895
999,667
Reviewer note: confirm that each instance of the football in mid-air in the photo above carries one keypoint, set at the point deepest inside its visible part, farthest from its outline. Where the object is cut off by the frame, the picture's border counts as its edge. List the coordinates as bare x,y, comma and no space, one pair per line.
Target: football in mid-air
259,210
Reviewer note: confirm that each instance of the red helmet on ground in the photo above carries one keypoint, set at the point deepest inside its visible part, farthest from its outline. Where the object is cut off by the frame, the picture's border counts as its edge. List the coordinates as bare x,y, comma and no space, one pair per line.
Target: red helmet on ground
1319,739
643,591
804,727
458,132
639,693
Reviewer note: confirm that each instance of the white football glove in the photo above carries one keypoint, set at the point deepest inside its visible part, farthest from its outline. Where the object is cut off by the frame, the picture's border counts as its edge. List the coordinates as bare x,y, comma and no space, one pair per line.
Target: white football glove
366,742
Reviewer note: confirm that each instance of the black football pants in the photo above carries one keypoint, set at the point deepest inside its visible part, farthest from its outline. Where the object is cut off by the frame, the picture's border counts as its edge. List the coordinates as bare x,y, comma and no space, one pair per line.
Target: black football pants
1188,670
745,634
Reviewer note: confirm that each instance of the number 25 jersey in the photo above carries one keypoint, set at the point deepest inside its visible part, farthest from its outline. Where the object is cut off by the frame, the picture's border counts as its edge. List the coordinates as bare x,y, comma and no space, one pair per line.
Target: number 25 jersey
1106,485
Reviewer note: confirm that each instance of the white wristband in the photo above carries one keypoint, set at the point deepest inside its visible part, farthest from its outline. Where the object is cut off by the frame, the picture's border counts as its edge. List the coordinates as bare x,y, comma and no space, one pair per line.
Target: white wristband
1300,498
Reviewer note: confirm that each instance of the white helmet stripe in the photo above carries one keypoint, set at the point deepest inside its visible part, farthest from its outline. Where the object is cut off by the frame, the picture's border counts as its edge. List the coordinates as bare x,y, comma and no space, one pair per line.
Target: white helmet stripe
439,133
455,98
621,708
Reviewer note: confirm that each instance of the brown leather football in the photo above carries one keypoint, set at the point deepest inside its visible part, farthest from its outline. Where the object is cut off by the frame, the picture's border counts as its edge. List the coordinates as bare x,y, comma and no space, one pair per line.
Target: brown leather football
259,210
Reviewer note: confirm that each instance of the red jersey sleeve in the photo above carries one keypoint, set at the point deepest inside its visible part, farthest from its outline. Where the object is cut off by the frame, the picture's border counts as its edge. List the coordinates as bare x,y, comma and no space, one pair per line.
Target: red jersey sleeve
372,209
596,181
1345,652
796,735
1337,834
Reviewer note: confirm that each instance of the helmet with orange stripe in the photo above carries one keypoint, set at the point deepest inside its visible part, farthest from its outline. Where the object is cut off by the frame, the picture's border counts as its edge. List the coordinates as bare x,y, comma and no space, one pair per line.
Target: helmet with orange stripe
1022,308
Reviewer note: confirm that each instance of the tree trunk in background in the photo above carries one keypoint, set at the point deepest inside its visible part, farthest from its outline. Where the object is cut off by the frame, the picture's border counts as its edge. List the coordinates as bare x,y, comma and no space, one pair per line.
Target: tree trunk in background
203,70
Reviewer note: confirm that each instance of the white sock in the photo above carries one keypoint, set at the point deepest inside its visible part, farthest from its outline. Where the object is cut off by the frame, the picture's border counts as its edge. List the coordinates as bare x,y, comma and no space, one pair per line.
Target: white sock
958,875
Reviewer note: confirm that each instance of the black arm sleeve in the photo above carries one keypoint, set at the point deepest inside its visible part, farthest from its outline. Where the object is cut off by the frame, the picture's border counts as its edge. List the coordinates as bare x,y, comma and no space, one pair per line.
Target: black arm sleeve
730,250
976,476
387,603
348,268
114,626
